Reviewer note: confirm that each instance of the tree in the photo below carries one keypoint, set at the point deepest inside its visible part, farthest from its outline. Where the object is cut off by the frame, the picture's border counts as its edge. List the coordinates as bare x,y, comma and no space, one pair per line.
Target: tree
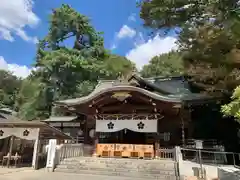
33,100
67,72
233,108
9,86
207,39
168,64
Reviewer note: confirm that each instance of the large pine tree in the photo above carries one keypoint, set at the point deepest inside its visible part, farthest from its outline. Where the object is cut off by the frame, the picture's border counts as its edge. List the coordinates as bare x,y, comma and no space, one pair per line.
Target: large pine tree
208,39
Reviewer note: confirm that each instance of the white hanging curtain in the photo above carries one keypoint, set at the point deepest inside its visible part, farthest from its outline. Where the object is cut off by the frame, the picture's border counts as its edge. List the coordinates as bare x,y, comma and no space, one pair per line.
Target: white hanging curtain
22,133
27,133
109,126
6,132
145,126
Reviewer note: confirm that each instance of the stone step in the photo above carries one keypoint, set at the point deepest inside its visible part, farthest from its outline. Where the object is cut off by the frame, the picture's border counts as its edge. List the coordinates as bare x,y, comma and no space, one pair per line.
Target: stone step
92,159
163,172
117,161
109,166
120,162
122,174
138,168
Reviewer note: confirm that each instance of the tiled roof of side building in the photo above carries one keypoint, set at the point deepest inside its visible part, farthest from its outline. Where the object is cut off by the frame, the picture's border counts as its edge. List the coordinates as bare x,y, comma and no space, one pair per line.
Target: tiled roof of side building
60,119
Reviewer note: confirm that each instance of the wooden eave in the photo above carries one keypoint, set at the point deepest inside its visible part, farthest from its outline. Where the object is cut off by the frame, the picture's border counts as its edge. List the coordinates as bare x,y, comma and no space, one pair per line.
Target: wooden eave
46,131
92,96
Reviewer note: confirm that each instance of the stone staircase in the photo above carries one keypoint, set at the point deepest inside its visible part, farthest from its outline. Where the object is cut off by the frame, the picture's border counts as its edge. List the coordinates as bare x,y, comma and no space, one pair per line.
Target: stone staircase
135,168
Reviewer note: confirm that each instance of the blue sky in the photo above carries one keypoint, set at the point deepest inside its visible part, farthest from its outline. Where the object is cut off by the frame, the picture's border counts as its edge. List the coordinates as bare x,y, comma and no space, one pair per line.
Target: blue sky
23,22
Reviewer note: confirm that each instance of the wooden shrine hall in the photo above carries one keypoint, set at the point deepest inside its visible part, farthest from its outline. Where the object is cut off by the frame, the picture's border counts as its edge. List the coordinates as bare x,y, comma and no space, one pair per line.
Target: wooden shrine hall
136,116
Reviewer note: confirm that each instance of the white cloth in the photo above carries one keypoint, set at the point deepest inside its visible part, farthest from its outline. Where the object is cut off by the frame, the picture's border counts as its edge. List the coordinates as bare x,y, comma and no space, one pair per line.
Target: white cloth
22,133
145,126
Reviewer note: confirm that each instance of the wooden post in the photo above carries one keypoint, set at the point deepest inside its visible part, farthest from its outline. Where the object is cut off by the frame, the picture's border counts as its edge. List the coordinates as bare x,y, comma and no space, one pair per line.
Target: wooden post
156,145
10,151
182,114
95,144
85,131
36,152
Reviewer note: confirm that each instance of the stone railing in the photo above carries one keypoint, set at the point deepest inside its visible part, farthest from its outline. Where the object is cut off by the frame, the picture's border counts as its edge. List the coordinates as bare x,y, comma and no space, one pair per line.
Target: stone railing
57,153
165,154
68,151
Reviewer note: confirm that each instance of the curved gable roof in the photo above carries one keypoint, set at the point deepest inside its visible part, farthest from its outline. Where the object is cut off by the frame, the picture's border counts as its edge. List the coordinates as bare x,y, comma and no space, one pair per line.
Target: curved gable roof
173,90
97,93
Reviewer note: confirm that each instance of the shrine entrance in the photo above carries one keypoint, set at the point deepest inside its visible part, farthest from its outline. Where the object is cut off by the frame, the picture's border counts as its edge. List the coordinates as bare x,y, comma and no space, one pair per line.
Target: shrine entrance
126,137
123,137
132,137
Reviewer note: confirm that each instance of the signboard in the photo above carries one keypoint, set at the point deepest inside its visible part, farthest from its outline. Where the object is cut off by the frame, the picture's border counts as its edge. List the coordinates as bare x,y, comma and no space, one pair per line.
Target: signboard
65,124
199,144
121,96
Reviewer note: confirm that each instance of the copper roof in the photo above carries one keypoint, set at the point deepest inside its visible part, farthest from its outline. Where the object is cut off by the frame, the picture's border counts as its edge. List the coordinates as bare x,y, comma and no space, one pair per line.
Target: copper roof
60,119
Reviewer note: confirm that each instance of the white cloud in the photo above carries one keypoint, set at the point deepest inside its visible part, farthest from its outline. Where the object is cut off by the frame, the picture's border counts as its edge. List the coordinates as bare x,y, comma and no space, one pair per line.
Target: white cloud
14,16
114,46
132,17
143,53
17,70
126,31
139,40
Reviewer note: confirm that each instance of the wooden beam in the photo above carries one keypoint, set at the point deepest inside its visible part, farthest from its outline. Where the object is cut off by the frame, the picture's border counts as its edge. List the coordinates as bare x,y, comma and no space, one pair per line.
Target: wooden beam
10,151
126,107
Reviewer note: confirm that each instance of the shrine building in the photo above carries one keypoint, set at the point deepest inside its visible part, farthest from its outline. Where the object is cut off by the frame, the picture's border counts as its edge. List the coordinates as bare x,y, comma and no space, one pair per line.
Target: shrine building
152,112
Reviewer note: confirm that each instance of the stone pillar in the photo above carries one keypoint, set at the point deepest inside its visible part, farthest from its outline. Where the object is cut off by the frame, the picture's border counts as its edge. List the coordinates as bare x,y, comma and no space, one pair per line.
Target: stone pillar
52,146
36,149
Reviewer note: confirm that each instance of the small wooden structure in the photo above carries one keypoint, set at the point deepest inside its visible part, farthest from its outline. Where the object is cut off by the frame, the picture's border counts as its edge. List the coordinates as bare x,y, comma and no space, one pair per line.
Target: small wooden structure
12,128
70,125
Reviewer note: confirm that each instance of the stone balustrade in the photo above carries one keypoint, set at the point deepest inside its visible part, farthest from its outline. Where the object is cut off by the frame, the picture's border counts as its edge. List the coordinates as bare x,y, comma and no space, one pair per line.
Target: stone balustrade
65,151
70,150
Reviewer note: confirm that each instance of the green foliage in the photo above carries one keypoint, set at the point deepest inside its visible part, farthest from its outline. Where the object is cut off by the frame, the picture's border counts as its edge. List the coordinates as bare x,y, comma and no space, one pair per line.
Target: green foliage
67,72
209,38
116,66
233,108
168,64
9,86
33,100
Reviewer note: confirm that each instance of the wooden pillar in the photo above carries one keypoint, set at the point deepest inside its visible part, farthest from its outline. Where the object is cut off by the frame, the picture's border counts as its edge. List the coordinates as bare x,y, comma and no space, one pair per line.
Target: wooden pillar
156,145
182,114
10,151
96,139
36,152
85,131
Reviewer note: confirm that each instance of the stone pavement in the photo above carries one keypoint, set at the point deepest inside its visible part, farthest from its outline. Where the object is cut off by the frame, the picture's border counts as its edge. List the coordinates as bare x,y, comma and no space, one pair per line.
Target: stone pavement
30,174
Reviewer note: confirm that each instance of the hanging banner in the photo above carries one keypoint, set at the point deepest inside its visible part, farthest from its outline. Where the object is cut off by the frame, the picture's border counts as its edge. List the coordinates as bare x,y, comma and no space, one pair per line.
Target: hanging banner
22,133
145,126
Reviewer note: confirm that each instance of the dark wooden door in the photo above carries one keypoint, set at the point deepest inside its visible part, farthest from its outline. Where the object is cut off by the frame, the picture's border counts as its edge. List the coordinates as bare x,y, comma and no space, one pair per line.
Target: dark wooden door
132,137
